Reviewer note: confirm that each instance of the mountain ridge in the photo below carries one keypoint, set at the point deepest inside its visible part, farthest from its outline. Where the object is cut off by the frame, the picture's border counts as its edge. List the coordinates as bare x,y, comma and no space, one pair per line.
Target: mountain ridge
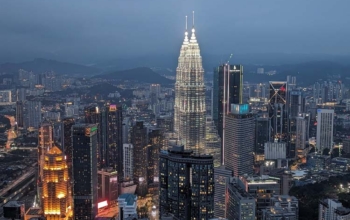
40,65
142,74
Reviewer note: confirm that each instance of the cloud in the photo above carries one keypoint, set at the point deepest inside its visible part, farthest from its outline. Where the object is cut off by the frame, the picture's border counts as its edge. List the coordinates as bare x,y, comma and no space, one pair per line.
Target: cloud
87,30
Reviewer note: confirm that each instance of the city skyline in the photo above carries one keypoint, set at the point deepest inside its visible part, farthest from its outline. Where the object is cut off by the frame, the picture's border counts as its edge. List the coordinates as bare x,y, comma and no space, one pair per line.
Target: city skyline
153,143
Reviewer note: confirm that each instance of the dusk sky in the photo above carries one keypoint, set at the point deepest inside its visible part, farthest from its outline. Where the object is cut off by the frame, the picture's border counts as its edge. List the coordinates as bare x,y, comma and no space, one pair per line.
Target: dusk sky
88,30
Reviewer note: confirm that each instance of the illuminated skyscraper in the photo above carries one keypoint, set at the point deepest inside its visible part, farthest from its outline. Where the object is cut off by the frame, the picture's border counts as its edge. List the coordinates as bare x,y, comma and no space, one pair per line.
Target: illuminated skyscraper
189,109
55,185
84,160
45,143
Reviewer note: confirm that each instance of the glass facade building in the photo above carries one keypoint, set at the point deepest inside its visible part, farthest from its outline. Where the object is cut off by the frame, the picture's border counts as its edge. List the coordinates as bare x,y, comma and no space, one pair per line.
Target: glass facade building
278,110
239,140
112,135
227,90
186,184
84,161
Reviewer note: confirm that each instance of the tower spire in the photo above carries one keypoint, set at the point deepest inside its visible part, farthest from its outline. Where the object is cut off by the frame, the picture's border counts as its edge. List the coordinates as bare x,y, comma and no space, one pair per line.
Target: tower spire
186,33
193,36
193,19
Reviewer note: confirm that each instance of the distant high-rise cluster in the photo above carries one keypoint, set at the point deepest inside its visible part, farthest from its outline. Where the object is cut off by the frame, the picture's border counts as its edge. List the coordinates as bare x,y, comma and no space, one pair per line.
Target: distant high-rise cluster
328,91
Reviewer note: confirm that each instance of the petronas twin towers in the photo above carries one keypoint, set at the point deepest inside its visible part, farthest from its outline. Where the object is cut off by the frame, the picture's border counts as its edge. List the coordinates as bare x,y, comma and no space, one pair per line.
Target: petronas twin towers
189,109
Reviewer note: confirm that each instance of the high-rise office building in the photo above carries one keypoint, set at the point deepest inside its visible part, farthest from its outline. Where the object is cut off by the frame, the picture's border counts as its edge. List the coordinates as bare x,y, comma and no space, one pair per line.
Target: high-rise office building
222,177
213,142
239,140
227,90
84,160
128,163
240,204
126,129
262,133
66,140
278,110
19,114
113,142
45,141
296,103
140,144
66,146
56,197
186,184
155,140
33,114
189,109
93,115
154,93
301,137
108,185
324,133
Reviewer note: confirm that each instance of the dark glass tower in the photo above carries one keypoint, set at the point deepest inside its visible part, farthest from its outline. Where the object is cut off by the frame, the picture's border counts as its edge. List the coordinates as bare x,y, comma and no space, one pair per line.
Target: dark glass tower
93,115
84,160
155,140
140,143
112,135
296,105
227,90
186,184
66,141
262,134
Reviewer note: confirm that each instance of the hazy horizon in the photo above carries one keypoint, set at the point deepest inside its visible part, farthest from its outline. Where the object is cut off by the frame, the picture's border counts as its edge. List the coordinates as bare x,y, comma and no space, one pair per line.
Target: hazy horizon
94,31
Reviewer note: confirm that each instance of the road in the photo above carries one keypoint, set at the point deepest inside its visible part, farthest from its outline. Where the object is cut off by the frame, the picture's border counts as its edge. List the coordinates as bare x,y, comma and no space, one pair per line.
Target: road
16,194
11,134
17,181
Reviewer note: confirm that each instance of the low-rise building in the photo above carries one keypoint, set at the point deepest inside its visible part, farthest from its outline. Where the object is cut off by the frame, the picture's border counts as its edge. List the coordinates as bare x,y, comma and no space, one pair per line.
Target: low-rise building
127,206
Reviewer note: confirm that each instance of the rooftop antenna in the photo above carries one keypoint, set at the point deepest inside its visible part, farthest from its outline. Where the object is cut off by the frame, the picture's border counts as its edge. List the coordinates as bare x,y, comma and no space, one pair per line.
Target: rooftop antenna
186,22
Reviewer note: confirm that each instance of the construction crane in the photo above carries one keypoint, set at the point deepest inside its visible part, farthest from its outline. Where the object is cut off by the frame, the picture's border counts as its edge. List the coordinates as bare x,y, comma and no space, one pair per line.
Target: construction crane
228,61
